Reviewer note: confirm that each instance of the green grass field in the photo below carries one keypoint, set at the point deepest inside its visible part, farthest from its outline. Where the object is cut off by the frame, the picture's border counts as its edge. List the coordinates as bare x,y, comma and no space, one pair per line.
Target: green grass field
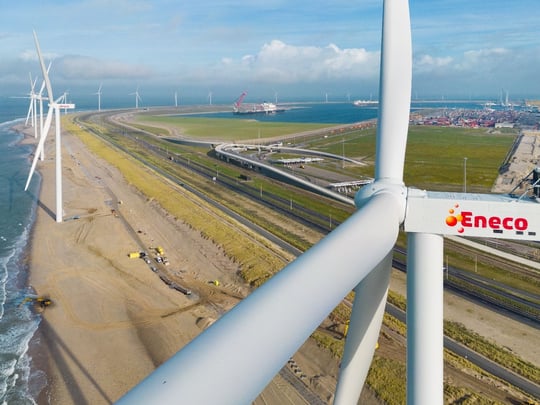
227,129
435,155
434,158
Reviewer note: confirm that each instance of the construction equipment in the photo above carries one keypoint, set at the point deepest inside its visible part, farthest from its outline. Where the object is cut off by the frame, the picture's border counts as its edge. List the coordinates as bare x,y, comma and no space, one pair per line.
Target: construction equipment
43,302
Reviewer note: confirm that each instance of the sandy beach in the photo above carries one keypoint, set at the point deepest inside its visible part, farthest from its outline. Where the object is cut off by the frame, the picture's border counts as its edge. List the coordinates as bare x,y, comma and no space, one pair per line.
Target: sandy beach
113,320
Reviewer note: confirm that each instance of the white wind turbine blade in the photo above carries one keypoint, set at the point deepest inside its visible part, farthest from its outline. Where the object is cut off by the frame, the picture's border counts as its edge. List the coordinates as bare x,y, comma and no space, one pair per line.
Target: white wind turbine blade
392,127
363,333
44,71
40,146
394,91
30,111
41,98
233,360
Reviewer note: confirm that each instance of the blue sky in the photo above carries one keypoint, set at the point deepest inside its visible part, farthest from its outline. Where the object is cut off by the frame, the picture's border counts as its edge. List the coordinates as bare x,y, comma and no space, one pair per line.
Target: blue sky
297,49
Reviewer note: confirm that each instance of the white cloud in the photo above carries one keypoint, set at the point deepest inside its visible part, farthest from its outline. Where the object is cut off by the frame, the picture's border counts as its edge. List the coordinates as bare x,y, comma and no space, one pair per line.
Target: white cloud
428,62
483,57
469,62
280,62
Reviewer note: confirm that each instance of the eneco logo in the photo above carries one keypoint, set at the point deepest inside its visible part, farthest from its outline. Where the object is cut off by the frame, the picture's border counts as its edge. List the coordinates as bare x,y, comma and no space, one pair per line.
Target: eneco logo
466,219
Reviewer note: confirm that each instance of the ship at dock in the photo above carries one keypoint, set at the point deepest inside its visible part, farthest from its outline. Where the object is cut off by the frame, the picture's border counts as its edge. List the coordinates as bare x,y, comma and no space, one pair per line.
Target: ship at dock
239,107
364,103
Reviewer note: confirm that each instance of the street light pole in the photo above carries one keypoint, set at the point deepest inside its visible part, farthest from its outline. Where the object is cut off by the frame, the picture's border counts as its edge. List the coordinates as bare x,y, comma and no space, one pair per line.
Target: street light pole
343,152
464,174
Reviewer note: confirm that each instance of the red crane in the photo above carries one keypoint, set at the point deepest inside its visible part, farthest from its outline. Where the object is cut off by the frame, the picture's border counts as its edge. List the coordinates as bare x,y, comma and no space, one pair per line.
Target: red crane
239,100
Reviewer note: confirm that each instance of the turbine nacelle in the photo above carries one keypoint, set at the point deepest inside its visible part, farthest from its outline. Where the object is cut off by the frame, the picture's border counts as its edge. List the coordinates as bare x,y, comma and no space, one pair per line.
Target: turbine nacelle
474,215
387,186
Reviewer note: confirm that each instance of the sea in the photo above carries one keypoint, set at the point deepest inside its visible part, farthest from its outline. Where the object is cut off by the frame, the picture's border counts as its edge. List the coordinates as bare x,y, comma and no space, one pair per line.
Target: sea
20,380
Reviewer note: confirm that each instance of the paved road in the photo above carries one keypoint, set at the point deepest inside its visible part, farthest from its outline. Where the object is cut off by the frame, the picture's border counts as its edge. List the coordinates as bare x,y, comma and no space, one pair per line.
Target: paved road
484,363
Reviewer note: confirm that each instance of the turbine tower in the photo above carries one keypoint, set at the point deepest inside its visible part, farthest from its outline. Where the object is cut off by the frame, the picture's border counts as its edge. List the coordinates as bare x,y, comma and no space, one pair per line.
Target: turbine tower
241,352
54,108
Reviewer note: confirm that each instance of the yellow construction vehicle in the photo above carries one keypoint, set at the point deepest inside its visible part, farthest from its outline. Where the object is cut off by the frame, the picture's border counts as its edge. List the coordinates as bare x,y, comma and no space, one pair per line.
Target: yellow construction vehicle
42,302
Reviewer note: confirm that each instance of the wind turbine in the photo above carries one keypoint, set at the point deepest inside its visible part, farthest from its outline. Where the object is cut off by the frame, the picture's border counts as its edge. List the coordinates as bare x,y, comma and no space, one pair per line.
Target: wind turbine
54,108
64,101
99,96
137,97
241,352
31,115
176,99
210,97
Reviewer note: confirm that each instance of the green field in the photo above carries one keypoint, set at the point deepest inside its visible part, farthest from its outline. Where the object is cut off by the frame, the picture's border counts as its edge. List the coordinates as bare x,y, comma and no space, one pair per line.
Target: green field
434,158
225,129
435,155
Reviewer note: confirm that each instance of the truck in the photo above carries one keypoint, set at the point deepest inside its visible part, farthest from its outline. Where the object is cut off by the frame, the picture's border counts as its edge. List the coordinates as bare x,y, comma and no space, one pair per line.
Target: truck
160,250
134,255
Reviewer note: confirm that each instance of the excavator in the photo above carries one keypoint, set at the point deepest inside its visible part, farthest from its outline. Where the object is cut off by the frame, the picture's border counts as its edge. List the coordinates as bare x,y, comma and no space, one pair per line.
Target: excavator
41,302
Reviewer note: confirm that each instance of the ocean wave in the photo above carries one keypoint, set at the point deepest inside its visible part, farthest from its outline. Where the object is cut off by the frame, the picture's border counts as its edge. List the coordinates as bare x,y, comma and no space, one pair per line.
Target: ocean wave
18,323
8,124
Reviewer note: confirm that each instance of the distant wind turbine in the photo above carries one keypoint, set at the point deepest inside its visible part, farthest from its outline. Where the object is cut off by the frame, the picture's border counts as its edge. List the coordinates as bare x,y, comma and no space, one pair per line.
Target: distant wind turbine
176,99
98,93
31,115
54,108
137,97
210,97
64,101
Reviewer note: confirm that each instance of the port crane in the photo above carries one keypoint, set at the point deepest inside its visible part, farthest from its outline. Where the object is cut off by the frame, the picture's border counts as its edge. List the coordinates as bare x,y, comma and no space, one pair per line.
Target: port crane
239,101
